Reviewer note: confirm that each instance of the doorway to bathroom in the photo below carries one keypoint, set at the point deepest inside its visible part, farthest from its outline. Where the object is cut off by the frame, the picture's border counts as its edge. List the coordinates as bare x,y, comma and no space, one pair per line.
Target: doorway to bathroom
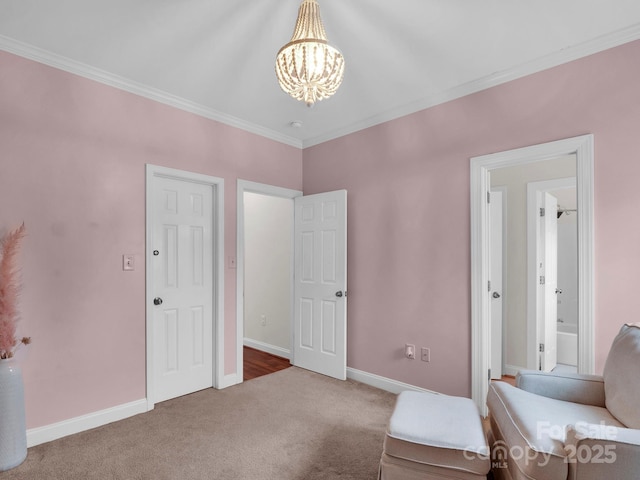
483,169
552,252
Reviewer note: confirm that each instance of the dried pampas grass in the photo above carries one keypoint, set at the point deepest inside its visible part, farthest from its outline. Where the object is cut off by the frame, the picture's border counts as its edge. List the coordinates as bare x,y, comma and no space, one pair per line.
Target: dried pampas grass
9,292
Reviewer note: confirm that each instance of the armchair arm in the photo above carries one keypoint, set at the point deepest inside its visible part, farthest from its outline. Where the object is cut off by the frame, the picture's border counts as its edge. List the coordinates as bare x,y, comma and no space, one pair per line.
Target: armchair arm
601,451
570,387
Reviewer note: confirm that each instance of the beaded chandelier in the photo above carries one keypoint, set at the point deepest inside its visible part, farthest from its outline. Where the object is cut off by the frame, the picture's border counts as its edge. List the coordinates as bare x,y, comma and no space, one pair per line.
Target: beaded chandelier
307,67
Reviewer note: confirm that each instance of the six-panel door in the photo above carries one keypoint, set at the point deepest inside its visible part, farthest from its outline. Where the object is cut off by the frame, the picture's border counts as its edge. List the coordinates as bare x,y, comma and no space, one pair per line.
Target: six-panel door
183,287
320,315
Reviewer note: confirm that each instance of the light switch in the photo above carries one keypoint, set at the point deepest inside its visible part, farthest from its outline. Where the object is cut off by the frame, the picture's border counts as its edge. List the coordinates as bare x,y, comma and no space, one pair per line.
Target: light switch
128,262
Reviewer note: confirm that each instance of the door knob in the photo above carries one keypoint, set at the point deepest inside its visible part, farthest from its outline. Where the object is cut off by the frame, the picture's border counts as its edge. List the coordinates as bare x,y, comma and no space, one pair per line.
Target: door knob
157,301
339,293
496,295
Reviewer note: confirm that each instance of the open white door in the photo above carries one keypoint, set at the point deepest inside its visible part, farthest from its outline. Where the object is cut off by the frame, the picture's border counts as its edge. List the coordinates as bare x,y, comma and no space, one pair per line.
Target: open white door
496,305
320,283
548,283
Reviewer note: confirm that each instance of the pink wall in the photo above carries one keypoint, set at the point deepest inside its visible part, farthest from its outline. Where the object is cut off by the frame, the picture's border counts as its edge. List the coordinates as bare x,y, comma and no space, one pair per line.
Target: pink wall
409,214
72,168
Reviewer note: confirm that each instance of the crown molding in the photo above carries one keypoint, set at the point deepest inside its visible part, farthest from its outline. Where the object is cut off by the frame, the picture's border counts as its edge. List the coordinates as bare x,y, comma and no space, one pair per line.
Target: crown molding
83,70
546,62
560,57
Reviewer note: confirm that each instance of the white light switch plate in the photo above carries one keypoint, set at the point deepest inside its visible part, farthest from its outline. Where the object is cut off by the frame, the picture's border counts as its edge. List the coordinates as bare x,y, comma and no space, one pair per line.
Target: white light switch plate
128,262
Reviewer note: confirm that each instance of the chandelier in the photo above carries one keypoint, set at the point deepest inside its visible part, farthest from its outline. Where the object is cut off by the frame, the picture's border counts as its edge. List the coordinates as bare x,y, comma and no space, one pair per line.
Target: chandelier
307,67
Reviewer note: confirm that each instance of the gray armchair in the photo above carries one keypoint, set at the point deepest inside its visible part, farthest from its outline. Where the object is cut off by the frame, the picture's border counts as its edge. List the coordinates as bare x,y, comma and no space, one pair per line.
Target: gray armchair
570,427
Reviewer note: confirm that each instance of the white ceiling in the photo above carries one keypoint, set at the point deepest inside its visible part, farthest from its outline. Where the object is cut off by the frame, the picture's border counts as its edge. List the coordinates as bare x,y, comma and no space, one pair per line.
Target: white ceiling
216,57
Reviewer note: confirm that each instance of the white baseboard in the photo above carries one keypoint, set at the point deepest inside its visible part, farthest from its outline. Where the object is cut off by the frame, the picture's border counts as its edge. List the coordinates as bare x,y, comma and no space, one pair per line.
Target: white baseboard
36,436
383,383
265,347
512,370
229,380
48,433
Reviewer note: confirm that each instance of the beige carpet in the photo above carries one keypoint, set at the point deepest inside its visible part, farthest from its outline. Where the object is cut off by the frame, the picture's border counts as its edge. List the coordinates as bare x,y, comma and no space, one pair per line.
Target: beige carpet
291,425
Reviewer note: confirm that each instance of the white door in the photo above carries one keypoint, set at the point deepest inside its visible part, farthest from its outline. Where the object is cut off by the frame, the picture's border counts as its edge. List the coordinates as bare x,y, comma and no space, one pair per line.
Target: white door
320,313
496,302
182,265
548,283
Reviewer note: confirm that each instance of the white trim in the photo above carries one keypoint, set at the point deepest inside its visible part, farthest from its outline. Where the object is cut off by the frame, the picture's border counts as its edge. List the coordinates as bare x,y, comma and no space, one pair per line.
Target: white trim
512,370
107,78
383,383
534,190
566,55
563,56
230,380
218,269
48,433
265,347
582,147
264,189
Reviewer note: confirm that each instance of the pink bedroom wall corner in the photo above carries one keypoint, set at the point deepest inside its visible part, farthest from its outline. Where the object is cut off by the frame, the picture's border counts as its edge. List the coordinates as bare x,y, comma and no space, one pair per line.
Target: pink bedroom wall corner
72,167
409,213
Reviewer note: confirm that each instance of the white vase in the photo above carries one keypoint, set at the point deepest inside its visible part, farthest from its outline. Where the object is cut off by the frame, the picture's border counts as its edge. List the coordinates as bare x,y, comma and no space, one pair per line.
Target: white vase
13,431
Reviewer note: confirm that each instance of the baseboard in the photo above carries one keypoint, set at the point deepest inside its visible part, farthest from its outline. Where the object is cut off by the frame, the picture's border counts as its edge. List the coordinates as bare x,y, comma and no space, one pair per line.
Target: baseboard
383,383
48,433
512,370
229,381
265,347
36,436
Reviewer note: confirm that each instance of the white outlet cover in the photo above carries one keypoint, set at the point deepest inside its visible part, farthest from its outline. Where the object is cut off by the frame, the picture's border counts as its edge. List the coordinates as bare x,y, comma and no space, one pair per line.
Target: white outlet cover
425,354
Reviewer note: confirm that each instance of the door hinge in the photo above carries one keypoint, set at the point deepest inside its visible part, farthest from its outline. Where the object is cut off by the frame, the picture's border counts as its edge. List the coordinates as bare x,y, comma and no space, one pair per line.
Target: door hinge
541,348
542,211
542,280
489,286
488,197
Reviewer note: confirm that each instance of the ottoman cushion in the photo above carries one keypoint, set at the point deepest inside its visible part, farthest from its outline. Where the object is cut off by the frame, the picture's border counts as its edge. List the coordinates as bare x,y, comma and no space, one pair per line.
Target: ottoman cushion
438,430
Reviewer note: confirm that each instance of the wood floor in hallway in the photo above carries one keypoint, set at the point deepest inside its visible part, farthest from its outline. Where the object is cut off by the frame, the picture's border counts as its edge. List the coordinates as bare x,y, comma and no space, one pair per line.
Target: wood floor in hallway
258,363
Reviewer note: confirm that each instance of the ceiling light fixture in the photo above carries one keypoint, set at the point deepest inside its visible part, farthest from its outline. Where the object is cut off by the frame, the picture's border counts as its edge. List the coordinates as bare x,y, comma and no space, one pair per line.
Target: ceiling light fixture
307,67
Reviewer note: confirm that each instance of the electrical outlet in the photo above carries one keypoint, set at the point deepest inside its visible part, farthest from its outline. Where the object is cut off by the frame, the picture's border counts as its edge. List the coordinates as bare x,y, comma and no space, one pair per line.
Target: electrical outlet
263,320
410,351
425,354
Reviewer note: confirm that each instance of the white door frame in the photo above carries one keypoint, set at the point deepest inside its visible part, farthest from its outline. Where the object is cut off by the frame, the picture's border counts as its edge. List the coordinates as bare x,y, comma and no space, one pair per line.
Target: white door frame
217,185
481,167
533,237
263,189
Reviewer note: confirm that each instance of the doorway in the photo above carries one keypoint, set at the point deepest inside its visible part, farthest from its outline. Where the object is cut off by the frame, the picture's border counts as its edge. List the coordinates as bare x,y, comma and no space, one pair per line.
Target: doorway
552,252
317,273
481,169
185,282
523,187
264,269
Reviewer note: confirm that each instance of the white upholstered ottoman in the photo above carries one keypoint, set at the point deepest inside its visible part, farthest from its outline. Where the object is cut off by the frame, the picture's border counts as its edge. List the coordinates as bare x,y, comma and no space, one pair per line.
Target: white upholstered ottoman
434,437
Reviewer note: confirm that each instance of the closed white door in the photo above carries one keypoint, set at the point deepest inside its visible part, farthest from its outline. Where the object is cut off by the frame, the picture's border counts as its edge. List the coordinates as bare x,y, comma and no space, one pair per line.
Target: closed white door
496,302
182,264
320,296
549,283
